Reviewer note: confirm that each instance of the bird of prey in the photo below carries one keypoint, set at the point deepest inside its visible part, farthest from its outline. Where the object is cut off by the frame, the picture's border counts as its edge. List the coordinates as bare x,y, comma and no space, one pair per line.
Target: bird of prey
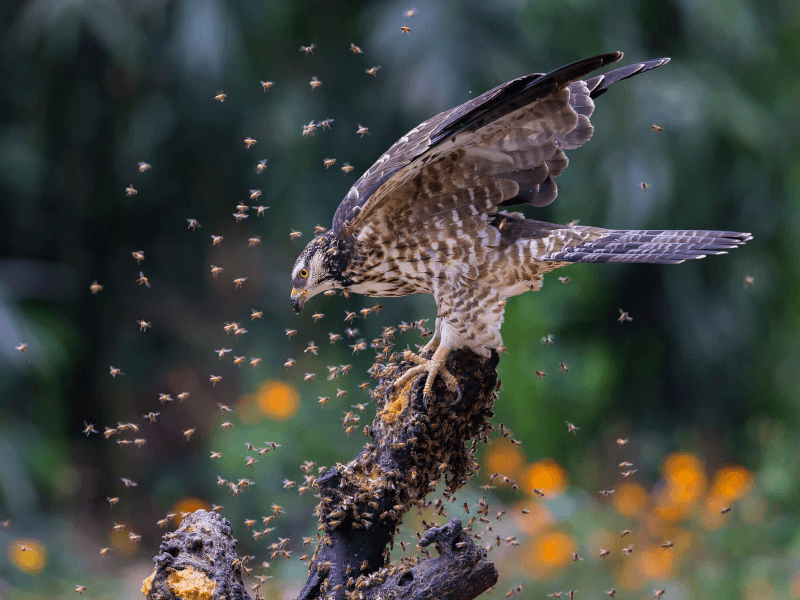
429,216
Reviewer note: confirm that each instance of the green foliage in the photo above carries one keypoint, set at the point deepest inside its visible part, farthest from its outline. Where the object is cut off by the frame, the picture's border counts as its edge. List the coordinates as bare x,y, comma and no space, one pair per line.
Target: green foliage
708,365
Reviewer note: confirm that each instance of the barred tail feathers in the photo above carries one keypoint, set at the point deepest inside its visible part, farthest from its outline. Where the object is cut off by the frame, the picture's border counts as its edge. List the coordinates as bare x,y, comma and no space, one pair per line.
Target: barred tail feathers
643,246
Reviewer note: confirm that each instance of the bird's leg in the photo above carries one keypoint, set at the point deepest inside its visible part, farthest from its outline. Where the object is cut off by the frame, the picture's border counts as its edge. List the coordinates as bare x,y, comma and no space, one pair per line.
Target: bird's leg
431,367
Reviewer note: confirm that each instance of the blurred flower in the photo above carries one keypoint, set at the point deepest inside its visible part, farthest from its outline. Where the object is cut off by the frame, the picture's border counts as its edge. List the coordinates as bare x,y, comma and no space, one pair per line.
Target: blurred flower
547,552
545,475
656,562
537,518
684,484
189,505
731,482
504,458
31,560
630,499
278,400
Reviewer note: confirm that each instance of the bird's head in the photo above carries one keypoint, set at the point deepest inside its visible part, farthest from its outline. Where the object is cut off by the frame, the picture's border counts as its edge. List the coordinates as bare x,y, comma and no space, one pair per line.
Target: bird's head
319,267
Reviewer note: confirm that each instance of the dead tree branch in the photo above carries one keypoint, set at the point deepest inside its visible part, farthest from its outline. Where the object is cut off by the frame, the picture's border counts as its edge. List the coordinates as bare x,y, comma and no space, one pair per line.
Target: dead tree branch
363,502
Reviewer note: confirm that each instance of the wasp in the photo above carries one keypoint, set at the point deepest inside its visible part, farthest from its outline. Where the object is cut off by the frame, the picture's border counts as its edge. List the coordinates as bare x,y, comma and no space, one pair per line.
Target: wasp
238,282
267,85
193,224
138,255
294,235
540,374
362,130
130,190
115,371
373,71
89,428
355,49
249,142
215,379
328,162
143,280
289,363
312,348
309,129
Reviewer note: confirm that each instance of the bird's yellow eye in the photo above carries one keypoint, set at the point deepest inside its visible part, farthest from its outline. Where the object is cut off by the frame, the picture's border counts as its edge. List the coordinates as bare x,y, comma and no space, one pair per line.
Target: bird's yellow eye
304,273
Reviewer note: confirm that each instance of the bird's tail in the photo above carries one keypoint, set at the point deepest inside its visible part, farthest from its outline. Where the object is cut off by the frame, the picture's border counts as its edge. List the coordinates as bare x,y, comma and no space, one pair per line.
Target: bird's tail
642,246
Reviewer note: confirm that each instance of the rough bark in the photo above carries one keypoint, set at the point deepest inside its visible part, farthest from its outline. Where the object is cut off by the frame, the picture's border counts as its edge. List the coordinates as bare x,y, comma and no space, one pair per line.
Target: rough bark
362,503
197,561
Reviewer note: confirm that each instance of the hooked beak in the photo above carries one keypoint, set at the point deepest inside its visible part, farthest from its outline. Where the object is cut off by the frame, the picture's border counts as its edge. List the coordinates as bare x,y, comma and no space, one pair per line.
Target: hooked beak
298,299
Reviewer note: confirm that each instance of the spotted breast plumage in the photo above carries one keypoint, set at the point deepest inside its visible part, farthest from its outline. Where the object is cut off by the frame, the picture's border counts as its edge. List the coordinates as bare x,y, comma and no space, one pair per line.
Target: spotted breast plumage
430,216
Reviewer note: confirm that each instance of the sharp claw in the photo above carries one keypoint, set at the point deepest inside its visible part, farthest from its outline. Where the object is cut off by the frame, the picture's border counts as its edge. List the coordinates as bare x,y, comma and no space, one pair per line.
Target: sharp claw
425,401
458,396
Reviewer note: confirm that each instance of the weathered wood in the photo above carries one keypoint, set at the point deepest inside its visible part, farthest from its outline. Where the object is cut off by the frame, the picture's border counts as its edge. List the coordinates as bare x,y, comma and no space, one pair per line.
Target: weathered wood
413,449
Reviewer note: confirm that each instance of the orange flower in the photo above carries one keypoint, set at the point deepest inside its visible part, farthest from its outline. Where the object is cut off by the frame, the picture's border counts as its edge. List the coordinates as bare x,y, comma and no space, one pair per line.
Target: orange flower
504,458
545,475
278,400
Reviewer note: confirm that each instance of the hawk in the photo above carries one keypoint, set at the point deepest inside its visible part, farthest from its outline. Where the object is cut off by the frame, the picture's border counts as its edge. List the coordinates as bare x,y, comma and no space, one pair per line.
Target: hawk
429,216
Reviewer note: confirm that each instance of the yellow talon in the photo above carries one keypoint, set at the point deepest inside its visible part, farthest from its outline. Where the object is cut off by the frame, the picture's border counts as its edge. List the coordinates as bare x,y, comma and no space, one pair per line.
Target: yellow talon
431,367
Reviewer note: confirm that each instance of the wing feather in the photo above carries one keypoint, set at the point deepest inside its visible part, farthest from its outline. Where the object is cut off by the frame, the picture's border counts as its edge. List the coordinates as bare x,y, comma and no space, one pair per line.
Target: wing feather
515,134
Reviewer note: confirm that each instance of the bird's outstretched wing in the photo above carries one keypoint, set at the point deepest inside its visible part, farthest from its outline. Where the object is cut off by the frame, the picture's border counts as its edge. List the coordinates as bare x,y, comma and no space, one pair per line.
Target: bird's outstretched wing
501,148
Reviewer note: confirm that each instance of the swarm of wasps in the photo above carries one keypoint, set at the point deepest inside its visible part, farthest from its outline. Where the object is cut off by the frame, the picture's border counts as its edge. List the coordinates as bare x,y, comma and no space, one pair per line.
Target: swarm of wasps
386,362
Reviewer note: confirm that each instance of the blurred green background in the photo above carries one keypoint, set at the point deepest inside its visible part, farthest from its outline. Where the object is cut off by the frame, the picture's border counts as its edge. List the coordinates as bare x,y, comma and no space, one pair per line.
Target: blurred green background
705,381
